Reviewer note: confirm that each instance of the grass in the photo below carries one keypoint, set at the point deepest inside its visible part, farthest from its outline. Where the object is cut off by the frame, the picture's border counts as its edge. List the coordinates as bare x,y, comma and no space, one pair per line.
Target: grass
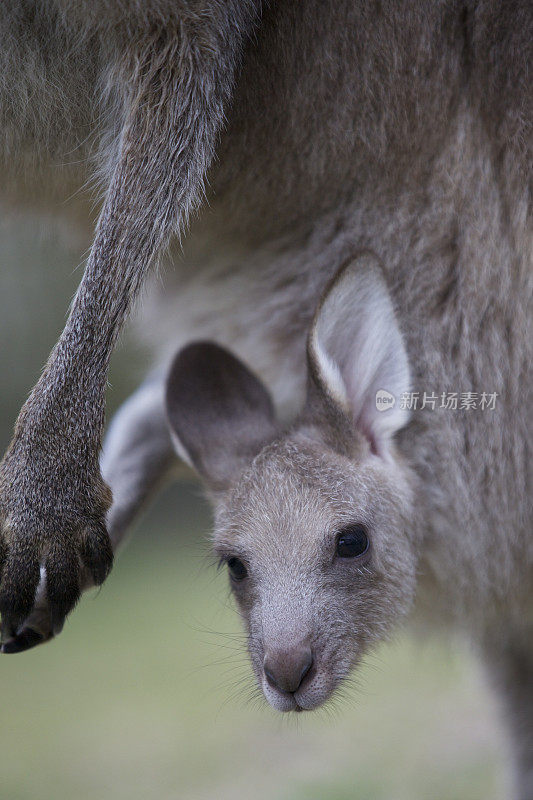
146,695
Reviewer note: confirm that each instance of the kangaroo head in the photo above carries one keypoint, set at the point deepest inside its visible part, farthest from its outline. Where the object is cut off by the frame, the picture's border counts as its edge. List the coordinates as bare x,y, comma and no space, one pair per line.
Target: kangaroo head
314,523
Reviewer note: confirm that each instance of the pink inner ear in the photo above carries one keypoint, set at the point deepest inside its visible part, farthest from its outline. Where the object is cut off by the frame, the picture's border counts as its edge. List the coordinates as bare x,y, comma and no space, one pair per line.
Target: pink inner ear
364,424
374,448
377,426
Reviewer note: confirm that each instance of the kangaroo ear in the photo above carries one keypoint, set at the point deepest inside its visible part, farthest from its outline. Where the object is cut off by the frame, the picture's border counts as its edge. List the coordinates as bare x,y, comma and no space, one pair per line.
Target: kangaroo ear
356,356
220,414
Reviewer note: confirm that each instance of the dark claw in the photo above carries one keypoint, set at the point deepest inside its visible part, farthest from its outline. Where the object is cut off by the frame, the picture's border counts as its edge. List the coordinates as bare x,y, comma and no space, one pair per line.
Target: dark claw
24,640
20,578
62,582
97,553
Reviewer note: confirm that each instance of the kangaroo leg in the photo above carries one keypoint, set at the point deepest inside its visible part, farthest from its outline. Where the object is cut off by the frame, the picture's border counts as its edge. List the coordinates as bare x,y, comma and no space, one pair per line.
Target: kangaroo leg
137,457
510,662
53,500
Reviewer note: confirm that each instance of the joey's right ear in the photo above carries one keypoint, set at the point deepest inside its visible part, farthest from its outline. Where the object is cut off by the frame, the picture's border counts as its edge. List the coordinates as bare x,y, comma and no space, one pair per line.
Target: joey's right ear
220,414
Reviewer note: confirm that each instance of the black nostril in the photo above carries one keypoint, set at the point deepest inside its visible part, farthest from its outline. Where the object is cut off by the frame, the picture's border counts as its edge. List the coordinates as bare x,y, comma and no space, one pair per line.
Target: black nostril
286,671
308,663
270,677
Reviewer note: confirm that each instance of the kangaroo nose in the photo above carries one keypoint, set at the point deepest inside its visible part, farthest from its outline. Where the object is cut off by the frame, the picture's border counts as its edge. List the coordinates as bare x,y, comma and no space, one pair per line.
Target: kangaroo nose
286,670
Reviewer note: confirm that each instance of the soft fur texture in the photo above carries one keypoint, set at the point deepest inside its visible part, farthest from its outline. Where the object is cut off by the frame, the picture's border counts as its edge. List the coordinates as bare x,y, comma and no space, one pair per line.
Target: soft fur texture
400,129
164,73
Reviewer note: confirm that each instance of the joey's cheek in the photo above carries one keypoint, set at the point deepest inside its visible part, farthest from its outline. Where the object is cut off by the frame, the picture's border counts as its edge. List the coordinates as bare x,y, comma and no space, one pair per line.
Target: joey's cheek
244,596
245,606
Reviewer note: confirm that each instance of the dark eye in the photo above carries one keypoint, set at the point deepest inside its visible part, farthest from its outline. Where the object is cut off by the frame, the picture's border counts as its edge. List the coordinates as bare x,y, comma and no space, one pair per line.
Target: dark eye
237,570
352,542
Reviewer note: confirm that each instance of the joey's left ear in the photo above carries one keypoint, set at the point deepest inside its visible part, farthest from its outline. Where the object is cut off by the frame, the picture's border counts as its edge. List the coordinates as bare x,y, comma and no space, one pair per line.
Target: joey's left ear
220,414
356,355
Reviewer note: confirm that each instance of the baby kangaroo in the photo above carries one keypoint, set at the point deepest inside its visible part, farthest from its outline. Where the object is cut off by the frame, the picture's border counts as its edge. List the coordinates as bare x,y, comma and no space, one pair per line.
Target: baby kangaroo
319,525
330,529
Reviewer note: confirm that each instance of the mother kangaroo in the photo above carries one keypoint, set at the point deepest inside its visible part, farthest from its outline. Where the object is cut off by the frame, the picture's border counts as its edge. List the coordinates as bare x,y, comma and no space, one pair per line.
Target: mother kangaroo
278,142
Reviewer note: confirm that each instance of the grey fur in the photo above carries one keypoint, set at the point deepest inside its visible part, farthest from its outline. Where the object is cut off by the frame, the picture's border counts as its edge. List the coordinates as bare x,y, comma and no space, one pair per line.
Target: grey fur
165,71
403,129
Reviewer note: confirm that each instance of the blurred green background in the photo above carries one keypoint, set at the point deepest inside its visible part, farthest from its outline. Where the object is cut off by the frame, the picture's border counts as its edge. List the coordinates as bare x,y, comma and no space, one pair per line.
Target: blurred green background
147,693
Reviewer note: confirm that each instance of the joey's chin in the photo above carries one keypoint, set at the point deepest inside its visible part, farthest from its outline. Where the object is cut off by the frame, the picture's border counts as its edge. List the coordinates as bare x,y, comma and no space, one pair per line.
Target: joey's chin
318,692
280,701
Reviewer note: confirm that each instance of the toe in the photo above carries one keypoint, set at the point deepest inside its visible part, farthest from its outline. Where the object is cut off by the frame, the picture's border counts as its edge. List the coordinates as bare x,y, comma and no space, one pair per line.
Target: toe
24,640
20,578
96,552
62,581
